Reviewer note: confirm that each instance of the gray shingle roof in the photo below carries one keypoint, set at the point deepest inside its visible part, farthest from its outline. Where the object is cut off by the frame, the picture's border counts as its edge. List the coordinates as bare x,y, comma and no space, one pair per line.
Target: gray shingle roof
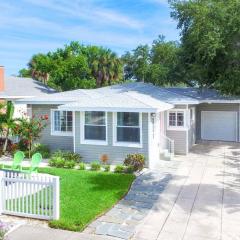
202,94
129,95
16,87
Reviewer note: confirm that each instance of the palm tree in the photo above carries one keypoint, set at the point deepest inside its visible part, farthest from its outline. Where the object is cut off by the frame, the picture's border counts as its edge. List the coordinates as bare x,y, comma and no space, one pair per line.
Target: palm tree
40,66
105,65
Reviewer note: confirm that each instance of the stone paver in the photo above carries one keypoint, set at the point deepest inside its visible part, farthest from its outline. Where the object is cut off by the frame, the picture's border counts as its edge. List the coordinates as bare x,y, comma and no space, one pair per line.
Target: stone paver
123,219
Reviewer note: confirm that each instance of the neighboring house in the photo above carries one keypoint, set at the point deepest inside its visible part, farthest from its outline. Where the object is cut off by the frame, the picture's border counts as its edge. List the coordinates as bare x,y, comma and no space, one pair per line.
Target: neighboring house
14,88
136,118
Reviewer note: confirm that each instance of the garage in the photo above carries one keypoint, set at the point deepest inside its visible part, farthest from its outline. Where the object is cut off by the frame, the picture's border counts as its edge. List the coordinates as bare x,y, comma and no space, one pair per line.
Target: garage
219,125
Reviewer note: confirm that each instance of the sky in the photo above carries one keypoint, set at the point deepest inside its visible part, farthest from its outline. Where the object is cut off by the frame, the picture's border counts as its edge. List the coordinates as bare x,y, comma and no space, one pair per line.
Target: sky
28,27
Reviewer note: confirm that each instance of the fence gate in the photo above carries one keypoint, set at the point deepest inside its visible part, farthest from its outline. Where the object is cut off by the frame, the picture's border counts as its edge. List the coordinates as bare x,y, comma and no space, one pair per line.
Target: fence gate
29,195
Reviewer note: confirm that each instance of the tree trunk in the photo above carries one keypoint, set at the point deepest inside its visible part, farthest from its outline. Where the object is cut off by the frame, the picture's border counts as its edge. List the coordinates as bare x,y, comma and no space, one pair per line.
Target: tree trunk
6,141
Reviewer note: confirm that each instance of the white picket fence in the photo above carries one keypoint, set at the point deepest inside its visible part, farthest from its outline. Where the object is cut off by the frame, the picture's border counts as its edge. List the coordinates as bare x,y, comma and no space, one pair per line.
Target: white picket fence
29,195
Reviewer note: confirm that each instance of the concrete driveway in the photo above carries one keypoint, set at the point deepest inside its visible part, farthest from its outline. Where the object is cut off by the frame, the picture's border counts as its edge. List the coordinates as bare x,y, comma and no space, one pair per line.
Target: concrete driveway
202,202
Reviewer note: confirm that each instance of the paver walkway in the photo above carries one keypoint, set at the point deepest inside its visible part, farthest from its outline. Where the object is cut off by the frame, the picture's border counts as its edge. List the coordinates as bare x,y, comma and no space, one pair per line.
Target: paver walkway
122,220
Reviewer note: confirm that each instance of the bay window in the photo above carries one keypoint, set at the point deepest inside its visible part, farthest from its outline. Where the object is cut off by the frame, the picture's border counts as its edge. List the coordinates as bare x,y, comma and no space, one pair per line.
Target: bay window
95,127
128,128
62,122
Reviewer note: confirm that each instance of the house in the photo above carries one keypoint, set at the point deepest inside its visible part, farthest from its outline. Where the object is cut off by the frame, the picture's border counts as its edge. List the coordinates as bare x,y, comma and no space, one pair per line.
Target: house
136,118
14,88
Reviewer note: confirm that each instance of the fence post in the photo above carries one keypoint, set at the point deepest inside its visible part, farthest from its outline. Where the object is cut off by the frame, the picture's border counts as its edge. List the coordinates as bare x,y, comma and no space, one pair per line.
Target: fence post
2,175
56,198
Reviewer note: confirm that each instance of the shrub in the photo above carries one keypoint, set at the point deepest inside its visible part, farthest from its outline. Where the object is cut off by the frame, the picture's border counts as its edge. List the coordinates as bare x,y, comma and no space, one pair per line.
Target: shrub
95,166
129,169
57,162
106,168
23,145
119,169
41,148
104,158
136,160
82,166
70,164
68,156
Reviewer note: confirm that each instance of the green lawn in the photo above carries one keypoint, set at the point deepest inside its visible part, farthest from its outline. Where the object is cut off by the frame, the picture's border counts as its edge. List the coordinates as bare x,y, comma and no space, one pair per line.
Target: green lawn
84,195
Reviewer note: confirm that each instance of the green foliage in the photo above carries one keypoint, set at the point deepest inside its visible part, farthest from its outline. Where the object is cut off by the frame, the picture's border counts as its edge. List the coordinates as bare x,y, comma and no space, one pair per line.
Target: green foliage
67,155
210,43
25,73
106,168
57,162
76,66
129,169
136,161
95,166
70,164
82,166
119,169
86,195
7,122
155,64
29,129
41,148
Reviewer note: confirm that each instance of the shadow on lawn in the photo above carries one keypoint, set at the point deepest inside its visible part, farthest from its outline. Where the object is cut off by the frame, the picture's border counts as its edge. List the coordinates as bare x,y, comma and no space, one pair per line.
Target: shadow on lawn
110,182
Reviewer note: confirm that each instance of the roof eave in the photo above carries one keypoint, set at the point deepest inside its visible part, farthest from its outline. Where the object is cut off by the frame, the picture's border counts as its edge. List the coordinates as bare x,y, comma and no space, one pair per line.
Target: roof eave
220,101
114,109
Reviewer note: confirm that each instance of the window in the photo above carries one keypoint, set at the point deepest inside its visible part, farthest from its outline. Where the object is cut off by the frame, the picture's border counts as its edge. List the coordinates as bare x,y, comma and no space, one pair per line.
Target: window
176,119
62,122
95,126
128,127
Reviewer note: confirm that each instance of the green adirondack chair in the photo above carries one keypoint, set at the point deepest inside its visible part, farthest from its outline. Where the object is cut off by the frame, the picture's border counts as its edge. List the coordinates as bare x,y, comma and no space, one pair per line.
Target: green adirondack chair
17,162
36,159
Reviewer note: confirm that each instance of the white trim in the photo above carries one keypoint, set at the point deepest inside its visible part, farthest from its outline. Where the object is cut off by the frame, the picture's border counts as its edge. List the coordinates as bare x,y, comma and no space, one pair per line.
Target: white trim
187,132
149,145
58,133
46,102
178,128
113,109
74,131
202,123
193,114
126,144
92,142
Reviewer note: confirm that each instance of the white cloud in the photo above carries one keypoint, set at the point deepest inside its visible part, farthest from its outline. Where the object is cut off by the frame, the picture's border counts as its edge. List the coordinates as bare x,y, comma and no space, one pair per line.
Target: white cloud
88,11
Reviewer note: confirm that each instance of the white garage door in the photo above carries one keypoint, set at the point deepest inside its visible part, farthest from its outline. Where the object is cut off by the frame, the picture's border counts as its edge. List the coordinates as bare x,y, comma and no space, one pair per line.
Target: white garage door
219,125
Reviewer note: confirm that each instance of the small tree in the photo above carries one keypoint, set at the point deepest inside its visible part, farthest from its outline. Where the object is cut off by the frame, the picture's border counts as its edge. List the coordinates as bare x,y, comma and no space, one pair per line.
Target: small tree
29,130
7,122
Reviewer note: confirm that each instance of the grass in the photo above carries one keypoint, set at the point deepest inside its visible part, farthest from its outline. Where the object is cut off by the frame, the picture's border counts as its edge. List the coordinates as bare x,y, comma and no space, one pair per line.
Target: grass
84,195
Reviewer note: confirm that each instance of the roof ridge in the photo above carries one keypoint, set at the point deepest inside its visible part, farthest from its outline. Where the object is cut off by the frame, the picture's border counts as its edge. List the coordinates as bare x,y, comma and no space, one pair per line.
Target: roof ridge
134,97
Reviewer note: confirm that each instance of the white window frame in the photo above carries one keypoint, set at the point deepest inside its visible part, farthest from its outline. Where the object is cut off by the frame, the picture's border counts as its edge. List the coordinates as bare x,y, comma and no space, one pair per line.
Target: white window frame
178,128
60,133
126,144
82,129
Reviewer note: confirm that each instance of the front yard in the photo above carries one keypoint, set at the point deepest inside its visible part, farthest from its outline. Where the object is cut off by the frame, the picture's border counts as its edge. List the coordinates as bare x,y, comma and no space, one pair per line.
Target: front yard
84,195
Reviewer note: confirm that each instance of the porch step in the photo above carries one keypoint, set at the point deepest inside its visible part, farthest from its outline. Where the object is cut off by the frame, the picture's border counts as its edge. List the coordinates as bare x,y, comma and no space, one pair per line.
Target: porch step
166,155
